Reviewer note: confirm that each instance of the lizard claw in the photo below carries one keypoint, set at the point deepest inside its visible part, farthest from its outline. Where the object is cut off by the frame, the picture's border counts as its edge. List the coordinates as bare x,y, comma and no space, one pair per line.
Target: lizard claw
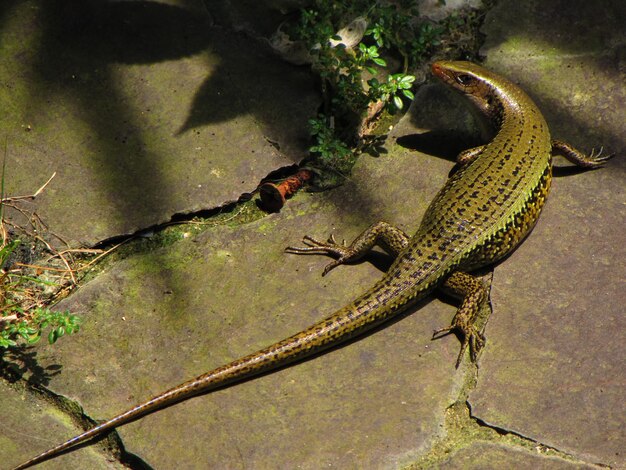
598,158
471,337
314,246
595,160
332,265
329,247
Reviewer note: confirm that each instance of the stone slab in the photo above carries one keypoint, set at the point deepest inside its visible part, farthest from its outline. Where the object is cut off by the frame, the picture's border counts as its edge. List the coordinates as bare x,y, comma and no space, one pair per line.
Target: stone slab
143,109
28,422
554,367
487,455
158,319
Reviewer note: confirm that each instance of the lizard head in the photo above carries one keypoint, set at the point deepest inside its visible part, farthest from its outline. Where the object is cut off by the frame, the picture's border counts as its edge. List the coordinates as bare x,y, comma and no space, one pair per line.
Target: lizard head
473,81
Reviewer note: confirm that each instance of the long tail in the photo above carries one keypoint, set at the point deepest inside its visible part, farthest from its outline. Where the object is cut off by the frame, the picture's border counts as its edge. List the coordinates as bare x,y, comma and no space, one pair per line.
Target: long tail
353,319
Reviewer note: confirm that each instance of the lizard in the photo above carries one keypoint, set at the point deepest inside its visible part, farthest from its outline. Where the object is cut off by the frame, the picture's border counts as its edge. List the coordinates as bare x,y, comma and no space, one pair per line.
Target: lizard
483,211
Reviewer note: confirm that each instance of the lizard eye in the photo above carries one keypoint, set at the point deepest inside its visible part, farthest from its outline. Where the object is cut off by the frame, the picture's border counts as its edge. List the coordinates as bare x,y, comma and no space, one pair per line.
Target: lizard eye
464,79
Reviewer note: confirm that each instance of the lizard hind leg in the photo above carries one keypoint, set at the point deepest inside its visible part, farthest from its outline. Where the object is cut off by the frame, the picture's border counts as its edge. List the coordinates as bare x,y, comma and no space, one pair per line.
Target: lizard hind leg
388,237
474,294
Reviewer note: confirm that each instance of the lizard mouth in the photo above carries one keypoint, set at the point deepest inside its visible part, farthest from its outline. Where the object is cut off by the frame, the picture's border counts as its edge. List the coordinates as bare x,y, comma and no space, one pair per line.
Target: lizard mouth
439,71
436,68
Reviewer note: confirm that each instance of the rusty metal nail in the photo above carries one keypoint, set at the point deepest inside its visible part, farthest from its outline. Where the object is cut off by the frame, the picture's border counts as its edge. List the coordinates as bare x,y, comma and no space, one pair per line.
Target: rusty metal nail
273,196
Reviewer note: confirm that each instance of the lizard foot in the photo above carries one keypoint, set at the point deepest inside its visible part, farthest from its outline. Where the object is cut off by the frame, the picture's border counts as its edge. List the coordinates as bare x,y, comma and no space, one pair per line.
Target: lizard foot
597,159
472,337
594,160
330,247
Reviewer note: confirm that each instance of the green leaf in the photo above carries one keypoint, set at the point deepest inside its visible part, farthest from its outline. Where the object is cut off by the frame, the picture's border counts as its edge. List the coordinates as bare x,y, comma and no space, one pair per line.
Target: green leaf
409,94
379,61
52,337
34,339
7,342
398,102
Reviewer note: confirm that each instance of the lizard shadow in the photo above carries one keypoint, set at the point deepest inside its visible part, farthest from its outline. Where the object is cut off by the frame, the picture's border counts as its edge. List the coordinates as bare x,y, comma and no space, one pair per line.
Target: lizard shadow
442,143
447,144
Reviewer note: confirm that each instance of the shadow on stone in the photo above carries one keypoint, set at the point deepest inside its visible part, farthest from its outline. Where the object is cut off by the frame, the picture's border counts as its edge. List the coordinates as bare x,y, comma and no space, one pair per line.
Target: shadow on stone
138,32
446,144
20,363
145,109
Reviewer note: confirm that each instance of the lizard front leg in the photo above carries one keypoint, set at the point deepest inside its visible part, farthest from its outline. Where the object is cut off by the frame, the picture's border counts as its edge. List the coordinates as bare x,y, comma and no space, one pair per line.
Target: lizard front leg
594,160
388,237
473,293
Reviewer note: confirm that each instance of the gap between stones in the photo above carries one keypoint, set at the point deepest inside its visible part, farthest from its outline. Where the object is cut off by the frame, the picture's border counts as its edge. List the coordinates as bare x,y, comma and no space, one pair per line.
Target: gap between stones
110,443
528,442
224,214
462,429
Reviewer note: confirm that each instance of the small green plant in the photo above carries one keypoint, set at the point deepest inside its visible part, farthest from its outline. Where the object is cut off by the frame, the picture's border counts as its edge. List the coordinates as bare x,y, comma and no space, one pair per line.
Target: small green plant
30,329
16,323
352,62
22,314
333,152
396,28
390,90
20,320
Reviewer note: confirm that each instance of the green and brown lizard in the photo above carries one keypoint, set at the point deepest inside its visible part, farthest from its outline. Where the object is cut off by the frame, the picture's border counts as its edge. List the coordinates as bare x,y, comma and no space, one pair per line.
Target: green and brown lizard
482,213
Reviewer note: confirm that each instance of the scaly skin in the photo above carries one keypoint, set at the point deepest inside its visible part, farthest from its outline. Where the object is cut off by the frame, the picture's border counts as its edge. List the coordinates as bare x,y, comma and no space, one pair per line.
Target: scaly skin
480,215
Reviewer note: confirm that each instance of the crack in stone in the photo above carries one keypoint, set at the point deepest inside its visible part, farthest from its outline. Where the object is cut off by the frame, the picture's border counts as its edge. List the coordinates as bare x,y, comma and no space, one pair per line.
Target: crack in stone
207,213
537,445
462,429
110,444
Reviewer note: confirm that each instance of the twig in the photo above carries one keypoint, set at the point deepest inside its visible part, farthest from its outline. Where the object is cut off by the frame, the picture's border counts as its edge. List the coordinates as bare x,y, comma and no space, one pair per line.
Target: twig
102,254
212,223
8,318
88,251
62,258
42,268
30,196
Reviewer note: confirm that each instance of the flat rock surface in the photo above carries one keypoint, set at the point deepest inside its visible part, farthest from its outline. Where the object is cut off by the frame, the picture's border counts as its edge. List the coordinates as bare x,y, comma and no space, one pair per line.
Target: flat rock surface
554,369
27,422
165,317
138,132
139,121
484,455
